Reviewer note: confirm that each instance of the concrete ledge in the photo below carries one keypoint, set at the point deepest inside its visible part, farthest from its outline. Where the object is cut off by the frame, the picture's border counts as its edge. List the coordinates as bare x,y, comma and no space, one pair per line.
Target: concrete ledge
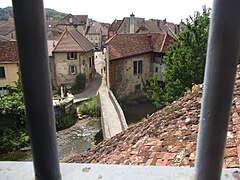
24,170
105,126
118,110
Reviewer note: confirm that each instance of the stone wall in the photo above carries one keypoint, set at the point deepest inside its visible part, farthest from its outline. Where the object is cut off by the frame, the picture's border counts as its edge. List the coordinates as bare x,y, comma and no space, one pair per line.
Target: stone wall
122,80
82,64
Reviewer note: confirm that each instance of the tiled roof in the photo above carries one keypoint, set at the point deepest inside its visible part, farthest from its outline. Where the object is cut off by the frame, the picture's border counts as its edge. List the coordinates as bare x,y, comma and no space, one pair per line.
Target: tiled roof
82,18
150,26
51,45
168,137
76,20
7,27
2,22
94,28
115,25
51,23
73,41
155,25
124,45
5,38
8,51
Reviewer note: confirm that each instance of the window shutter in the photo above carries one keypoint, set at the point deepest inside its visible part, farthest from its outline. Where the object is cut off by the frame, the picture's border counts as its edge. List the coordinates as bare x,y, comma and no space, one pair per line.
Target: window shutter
68,55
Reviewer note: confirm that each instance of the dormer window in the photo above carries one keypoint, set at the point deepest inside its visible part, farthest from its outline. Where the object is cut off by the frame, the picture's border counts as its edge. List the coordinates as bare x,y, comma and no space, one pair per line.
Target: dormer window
70,20
71,55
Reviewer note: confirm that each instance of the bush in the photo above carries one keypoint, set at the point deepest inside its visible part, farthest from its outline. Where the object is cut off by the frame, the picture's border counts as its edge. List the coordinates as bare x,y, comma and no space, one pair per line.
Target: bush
91,107
63,119
13,131
80,82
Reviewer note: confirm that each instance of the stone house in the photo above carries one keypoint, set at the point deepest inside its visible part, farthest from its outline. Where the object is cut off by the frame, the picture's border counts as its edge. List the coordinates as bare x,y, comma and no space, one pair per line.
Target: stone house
80,22
8,65
72,54
96,34
133,58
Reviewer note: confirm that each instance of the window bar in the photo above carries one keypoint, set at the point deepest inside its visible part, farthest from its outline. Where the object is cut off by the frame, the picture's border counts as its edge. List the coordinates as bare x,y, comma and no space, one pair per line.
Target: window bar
34,64
222,55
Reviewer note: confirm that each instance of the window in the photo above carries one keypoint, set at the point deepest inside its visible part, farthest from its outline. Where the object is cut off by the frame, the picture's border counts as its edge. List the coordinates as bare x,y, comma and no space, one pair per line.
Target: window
137,67
72,69
70,20
138,87
2,72
83,62
90,62
156,69
71,55
93,61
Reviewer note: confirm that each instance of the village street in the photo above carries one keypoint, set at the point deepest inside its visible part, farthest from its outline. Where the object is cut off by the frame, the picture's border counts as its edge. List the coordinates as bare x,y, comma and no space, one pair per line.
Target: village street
97,82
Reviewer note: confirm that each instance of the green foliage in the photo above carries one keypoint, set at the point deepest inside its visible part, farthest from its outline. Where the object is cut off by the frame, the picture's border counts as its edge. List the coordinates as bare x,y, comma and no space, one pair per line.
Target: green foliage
80,82
154,91
12,111
12,140
56,97
7,12
53,14
18,84
13,131
65,117
91,107
185,61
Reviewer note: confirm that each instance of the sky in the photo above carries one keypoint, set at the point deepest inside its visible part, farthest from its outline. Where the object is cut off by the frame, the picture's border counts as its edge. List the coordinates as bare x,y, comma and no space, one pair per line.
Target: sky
109,10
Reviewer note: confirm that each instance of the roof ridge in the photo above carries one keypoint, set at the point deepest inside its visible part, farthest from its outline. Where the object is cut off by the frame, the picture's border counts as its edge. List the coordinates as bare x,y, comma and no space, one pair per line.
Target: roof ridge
81,45
163,41
60,39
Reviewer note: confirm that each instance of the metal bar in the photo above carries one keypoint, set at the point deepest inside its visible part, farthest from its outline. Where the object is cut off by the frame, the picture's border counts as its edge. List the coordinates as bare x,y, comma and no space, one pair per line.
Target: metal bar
222,55
32,44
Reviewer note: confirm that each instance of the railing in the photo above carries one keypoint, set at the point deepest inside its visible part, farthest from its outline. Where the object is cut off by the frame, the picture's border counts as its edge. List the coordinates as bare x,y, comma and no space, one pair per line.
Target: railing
118,110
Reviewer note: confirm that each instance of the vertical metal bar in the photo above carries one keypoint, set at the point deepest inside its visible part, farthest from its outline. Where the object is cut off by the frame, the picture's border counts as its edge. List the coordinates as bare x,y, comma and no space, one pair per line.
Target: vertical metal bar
34,64
222,55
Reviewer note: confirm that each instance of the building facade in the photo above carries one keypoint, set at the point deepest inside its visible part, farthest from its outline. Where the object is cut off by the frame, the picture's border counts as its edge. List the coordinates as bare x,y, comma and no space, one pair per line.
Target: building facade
73,54
8,65
133,58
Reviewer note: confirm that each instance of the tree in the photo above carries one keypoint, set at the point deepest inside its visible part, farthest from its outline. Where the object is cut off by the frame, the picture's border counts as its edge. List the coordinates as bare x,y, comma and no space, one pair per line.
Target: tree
185,60
80,81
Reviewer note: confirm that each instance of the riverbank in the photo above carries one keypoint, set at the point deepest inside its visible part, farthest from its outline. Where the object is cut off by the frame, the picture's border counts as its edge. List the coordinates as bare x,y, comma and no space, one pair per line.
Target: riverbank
74,140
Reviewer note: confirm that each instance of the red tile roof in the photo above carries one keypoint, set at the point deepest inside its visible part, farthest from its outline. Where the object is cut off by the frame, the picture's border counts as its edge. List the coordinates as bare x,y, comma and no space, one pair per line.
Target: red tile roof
125,45
73,41
168,137
115,25
8,51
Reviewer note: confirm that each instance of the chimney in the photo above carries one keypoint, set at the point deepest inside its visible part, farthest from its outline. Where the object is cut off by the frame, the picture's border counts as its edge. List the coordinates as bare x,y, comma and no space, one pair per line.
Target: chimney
164,21
132,23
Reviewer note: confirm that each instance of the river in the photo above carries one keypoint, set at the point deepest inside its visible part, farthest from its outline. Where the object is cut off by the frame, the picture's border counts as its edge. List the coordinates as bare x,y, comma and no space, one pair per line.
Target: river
136,112
74,140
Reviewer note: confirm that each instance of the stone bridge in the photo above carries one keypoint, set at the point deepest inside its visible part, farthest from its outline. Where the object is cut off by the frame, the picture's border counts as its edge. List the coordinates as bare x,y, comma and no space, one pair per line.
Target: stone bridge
112,117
